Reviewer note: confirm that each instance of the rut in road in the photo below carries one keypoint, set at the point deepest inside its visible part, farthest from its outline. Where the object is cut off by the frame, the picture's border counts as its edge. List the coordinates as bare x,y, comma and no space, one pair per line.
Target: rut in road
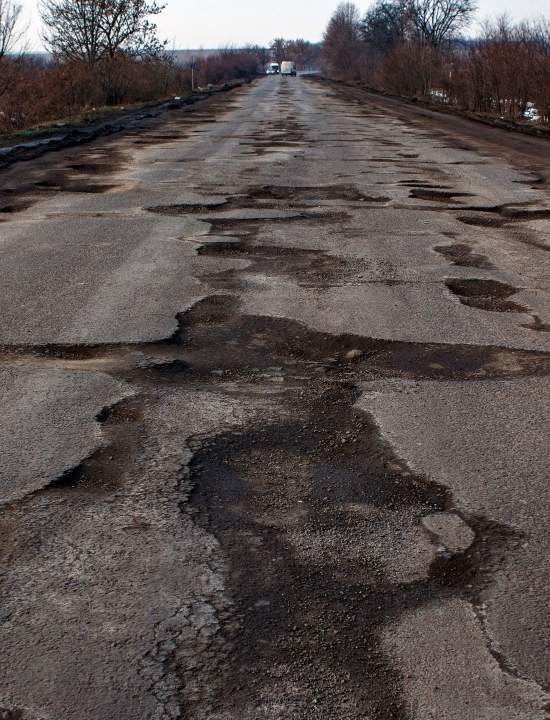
298,504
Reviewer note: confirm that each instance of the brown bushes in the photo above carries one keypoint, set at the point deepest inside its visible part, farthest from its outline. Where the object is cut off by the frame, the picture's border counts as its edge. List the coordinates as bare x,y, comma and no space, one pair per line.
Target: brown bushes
505,72
38,90
102,53
228,65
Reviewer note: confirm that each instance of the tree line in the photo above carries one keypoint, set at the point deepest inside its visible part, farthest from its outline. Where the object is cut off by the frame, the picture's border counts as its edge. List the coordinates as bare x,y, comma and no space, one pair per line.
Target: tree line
304,53
100,52
417,48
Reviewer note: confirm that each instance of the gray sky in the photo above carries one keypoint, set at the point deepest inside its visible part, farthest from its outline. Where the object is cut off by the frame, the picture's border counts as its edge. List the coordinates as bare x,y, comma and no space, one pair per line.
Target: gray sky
217,23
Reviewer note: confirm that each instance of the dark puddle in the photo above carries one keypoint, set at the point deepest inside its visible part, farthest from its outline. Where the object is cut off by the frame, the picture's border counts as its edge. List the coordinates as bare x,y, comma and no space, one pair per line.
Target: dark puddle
490,295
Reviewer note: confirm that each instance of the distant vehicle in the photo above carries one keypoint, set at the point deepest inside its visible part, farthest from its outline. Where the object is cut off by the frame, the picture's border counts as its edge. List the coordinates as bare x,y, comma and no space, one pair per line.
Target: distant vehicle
288,68
531,113
273,69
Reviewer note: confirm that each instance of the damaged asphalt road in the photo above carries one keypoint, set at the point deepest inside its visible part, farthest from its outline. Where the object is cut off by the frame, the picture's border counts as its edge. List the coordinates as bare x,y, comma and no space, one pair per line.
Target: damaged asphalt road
275,380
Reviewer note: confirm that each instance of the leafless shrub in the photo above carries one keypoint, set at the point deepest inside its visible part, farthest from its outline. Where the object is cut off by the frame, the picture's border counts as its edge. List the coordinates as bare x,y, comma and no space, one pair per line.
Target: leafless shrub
413,48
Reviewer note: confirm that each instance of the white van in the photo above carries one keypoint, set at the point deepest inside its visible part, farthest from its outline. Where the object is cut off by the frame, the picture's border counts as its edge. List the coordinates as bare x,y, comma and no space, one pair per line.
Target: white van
288,68
273,69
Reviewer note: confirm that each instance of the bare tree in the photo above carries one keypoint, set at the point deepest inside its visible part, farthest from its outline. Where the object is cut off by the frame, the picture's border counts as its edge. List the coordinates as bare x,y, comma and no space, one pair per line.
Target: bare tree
92,30
262,53
279,50
437,21
126,25
73,29
10,26
342,41
387,23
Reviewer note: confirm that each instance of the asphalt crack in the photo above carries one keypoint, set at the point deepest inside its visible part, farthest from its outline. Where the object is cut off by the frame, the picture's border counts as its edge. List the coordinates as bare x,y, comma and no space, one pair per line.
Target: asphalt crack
282,499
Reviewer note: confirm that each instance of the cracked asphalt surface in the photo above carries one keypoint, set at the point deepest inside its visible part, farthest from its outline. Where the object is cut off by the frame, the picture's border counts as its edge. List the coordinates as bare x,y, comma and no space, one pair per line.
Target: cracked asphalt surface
275,378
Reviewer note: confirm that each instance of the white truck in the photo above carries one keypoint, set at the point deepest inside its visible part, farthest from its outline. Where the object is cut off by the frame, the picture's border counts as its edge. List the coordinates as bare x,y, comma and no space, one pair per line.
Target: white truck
288,68
273,69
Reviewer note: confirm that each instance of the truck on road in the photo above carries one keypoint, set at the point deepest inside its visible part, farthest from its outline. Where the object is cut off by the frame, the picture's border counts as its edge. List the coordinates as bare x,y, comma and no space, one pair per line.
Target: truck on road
288,68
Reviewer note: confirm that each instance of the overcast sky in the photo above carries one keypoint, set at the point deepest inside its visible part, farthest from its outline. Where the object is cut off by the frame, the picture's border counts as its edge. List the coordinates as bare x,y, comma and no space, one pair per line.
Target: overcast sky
217,23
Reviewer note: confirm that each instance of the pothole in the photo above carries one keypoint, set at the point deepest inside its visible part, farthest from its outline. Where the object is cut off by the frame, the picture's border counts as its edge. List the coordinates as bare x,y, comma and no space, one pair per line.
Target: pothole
271,197
311,268
481,221
425,193
281,498
462,255
16,206
503,215
538,325
104,470
421,184
74,186
490,295
214,336
312,193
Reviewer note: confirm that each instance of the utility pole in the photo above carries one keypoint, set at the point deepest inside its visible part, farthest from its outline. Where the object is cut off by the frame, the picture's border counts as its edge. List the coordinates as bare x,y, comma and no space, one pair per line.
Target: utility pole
192,73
